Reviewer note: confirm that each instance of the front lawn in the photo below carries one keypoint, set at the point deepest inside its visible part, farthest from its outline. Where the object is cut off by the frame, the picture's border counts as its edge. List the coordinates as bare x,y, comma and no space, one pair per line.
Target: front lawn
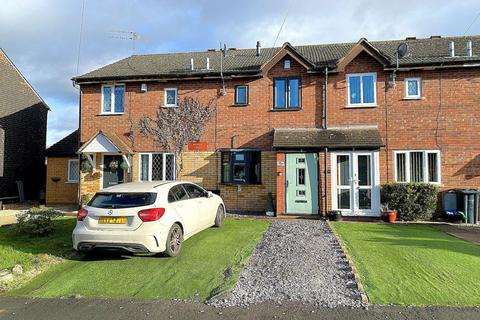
28,251
210,263
413,264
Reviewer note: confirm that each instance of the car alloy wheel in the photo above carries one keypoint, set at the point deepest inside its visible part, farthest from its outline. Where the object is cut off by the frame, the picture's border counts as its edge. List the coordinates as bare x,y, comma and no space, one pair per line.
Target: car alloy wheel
174,241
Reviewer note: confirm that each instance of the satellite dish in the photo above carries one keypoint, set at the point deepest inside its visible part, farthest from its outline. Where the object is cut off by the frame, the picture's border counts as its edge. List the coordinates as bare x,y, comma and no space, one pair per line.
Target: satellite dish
402,50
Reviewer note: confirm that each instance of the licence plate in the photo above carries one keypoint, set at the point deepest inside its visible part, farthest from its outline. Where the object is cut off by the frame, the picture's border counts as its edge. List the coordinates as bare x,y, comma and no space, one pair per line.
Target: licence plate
112,220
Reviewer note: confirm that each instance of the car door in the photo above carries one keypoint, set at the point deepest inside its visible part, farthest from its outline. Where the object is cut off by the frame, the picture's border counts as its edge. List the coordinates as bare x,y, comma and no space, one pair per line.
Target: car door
201,203
180,201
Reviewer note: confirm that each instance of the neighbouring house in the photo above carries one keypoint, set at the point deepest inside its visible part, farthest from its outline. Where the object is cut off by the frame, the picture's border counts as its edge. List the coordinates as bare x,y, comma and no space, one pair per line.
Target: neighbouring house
23,127
63,171
320,127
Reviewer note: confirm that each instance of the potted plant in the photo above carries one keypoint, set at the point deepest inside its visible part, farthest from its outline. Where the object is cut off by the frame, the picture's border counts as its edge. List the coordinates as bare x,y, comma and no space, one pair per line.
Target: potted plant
86,166
335,215
388,215
113,165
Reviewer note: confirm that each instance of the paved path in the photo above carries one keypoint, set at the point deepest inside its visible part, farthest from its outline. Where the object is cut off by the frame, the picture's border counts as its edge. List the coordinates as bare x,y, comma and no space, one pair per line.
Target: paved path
7,219
101,309
469,233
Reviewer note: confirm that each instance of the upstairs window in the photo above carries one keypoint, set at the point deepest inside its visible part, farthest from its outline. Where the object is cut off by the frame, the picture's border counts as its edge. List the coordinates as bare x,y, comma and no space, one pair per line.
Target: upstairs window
170,97
362,89
413,88
287,93
241,95
417,166
113,99
241,167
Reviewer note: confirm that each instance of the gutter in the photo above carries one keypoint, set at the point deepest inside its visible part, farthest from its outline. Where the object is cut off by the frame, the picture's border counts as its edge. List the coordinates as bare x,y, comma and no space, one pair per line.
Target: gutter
170,77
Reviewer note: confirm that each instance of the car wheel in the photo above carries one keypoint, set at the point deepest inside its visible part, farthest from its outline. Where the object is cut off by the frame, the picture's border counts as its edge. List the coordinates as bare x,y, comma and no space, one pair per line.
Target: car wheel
220,217
174,241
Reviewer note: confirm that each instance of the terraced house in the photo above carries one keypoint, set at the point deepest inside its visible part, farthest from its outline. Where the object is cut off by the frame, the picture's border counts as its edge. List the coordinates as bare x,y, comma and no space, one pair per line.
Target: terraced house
319,127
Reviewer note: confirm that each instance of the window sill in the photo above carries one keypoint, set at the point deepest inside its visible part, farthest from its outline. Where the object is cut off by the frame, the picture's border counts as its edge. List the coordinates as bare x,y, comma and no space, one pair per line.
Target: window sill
240,105
111,114
412,98
285,109
239,184
71,182
360,106
172,106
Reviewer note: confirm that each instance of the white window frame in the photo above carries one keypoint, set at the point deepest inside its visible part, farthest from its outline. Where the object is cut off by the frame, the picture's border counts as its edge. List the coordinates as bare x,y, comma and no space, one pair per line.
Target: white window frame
424,165
112,99
150,157
165,104
419,87
69,179
362,104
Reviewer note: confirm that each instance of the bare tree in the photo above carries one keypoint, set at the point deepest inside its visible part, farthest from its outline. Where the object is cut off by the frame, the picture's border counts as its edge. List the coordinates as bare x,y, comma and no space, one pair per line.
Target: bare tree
173,128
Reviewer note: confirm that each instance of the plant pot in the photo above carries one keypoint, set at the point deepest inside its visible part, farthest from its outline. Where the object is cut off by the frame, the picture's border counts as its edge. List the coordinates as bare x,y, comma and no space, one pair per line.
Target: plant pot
335,215
389,216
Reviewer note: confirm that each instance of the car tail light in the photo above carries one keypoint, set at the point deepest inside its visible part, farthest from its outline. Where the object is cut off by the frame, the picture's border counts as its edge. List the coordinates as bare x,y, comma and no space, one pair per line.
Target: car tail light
151,214
81,214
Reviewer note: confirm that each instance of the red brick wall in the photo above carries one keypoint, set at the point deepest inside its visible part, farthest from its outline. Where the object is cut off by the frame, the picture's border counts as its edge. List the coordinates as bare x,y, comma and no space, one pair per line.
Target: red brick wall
446,118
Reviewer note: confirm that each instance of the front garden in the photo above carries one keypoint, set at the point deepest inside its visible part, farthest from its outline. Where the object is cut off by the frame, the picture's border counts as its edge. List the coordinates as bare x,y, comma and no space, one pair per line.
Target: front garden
412,264
209,264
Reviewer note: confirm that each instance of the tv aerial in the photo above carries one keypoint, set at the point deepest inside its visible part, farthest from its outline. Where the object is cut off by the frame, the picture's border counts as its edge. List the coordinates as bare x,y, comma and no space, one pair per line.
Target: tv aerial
126,35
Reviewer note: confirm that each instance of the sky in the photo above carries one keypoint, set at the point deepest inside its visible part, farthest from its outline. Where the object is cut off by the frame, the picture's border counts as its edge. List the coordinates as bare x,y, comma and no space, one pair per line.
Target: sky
42,37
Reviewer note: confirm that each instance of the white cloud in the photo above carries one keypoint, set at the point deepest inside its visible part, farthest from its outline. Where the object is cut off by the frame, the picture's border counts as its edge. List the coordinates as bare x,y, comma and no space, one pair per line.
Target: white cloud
41,37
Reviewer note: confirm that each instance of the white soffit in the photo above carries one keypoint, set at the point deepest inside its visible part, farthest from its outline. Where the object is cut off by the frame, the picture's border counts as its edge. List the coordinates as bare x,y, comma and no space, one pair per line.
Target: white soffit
101,145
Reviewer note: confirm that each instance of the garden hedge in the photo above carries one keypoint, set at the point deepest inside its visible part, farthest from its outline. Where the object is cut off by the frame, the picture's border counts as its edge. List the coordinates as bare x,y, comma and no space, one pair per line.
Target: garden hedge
412,201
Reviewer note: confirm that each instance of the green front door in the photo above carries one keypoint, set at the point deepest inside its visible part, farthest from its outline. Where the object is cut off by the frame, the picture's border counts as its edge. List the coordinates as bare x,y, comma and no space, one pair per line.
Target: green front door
301,183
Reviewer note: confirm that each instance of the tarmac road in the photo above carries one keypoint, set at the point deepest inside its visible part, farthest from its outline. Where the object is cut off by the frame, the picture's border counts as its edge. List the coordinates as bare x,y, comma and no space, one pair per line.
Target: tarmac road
92,309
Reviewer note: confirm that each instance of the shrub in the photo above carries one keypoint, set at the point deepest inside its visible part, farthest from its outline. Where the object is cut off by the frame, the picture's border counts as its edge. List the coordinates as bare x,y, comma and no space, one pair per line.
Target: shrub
37,221
412,201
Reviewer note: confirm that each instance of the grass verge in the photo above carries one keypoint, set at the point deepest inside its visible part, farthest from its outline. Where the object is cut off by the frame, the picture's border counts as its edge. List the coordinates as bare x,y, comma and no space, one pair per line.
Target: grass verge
413,264
209,264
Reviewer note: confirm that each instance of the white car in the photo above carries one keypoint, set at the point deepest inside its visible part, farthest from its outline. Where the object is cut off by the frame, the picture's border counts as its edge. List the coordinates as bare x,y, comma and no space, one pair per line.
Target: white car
143,217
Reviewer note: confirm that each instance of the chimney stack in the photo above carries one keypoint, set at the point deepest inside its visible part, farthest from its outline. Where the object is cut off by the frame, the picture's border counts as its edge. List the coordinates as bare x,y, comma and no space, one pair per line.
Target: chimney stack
469,48
258,48
451,49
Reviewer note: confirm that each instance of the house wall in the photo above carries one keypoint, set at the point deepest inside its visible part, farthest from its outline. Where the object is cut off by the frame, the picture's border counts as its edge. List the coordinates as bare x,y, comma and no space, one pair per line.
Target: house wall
24,139
445,119
59,190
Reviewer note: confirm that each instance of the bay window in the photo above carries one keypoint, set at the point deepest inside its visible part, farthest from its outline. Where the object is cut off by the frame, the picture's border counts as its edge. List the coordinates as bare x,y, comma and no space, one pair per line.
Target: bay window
241,166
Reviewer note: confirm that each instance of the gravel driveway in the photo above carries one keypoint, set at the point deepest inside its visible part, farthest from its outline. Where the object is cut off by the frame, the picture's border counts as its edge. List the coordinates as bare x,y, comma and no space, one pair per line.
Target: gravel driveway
298,260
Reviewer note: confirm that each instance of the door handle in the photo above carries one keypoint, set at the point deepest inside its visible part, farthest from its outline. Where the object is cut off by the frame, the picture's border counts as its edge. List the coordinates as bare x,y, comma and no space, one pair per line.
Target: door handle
286,184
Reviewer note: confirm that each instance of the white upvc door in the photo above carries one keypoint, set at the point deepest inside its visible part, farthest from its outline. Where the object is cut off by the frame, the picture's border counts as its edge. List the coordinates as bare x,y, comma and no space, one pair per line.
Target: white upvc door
356,183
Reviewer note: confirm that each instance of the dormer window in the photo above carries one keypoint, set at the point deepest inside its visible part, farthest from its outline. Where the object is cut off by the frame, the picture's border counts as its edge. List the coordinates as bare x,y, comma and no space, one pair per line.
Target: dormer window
286,64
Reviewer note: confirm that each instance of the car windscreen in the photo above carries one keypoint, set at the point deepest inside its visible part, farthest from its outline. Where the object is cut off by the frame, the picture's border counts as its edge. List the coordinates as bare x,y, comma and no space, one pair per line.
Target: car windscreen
122,200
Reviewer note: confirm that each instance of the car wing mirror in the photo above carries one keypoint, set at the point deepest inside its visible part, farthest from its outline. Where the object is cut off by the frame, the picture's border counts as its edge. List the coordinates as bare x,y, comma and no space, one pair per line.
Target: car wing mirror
209,194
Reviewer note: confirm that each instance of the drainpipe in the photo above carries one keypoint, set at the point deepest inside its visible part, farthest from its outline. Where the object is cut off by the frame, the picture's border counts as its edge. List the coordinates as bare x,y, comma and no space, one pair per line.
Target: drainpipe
325,150
325,90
